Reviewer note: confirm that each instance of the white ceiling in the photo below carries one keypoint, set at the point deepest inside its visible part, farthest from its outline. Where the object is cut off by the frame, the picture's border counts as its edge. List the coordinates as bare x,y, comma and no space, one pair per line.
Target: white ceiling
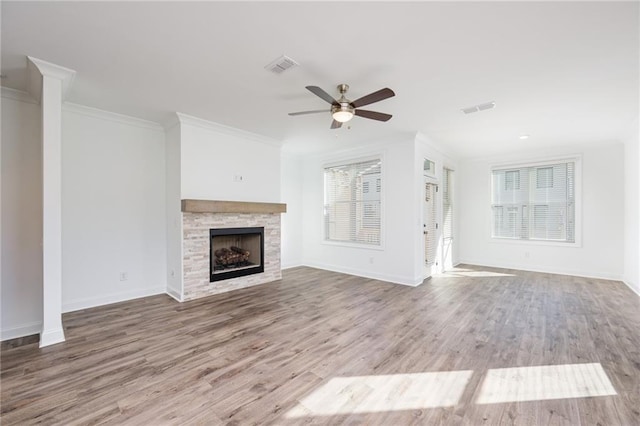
564,73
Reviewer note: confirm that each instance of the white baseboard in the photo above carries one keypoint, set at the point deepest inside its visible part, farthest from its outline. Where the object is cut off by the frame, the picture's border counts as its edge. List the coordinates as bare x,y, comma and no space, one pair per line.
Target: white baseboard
293,265
174,294
92,302
583,274
51,337
412,282
633,289
21,331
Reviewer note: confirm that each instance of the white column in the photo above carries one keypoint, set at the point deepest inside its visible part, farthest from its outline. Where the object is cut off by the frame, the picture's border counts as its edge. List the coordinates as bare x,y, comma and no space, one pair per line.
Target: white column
49,83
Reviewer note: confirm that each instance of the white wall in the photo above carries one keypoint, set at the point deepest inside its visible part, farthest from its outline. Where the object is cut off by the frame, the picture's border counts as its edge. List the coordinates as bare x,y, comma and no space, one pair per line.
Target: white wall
212,156
113,207
631,211
21,285
174,215
395,262
291,194
602,250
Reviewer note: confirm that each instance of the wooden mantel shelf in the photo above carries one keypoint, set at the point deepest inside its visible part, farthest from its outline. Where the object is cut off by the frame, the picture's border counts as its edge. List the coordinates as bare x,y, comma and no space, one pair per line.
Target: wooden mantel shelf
215,206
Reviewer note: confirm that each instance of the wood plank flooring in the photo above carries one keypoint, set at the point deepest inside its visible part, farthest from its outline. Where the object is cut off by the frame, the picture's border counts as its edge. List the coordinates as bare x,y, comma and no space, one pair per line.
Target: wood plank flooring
320,347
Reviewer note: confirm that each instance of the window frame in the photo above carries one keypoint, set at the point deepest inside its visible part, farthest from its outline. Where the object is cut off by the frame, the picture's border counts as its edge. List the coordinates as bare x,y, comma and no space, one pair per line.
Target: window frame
540,162
352,160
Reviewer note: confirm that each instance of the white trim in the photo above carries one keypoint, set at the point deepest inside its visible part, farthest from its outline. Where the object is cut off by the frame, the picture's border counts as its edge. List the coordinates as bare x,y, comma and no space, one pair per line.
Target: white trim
17,95
532,242
426,141
92,302
37,68
527,268
51,337
291,266
536,162
225,130
111,116
392,279
174,295
633,289
21,331
356,159
171,122
350,244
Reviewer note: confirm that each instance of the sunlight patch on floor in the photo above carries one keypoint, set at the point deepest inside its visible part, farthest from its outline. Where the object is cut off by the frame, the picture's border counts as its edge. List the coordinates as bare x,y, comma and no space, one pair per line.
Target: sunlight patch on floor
544,382
393,392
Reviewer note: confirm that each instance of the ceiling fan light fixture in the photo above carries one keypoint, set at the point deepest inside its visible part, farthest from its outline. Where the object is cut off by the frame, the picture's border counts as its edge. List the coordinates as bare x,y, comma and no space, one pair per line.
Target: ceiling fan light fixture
342,113
342,116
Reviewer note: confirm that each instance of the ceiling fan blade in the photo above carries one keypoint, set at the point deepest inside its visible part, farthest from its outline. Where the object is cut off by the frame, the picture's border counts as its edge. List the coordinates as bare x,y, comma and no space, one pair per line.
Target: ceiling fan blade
374,115
317,111
322,94
336,124
373,97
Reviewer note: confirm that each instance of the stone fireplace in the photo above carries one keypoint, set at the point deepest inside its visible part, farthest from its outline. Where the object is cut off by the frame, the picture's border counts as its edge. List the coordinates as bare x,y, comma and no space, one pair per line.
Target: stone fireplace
229,221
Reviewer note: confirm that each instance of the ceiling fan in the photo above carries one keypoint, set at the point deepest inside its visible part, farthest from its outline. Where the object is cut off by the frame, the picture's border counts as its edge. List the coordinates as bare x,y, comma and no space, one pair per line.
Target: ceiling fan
343,110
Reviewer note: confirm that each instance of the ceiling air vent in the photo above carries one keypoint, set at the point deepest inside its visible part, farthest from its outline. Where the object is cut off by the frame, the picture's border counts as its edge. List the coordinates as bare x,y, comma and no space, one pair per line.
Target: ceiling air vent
481,107
281,64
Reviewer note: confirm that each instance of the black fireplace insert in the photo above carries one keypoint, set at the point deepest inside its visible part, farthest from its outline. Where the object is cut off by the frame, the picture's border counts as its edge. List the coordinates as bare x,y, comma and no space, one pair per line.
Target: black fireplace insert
235,252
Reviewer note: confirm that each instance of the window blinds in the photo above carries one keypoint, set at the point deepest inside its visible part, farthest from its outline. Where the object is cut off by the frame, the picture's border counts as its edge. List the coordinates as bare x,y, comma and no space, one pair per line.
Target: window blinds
447,204
534,202
430,223
353,202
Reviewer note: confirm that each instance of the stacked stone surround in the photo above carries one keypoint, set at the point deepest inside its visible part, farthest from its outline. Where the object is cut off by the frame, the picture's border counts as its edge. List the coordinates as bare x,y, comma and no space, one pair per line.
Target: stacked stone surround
195,251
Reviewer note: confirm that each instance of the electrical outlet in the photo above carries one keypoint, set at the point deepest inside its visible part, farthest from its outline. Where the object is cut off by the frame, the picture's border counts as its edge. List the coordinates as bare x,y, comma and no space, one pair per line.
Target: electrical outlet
173,273
124,276
371,260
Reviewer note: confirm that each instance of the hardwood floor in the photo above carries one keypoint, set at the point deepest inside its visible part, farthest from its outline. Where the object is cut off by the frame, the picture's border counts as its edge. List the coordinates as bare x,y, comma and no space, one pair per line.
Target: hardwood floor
326,348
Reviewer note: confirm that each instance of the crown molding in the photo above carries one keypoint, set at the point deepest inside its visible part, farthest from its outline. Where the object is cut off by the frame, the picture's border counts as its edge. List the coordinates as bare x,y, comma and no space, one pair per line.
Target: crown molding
17,95
172,122
441,149
111,116
225,130
37,68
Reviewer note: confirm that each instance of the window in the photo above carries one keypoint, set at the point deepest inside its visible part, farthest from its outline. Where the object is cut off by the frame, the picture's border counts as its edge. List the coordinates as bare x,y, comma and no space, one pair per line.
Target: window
351,208
429,167
544,177
535,202
511,180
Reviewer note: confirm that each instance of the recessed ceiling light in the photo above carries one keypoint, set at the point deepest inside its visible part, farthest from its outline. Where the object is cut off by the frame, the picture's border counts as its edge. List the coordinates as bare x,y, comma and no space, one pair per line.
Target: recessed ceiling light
524,136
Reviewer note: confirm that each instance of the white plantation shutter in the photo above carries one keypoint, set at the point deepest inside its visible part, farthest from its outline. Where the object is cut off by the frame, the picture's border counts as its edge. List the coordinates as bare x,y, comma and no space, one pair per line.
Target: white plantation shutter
534,202
447,204
353,202
430,240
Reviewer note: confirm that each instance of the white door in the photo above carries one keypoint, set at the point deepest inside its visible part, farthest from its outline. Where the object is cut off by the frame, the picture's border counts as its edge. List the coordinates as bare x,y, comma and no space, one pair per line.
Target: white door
430,227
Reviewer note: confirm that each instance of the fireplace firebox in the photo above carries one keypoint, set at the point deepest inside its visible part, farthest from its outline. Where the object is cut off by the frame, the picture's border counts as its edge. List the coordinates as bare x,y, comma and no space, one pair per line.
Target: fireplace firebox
236,252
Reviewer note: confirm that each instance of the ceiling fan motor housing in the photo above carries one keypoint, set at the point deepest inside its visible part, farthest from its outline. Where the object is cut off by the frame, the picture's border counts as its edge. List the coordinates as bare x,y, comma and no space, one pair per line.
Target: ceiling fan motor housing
343,106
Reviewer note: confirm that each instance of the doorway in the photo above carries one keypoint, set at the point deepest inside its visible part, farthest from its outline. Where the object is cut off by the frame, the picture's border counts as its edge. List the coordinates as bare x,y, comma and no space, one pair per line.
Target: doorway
430,226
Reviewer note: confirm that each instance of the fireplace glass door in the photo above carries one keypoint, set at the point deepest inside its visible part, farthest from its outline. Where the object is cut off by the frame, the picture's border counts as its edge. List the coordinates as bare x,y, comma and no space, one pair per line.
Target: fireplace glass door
236,252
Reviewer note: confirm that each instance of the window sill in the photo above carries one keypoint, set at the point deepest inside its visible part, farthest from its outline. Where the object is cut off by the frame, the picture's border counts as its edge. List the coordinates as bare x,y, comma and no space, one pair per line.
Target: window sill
353,245
494,240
